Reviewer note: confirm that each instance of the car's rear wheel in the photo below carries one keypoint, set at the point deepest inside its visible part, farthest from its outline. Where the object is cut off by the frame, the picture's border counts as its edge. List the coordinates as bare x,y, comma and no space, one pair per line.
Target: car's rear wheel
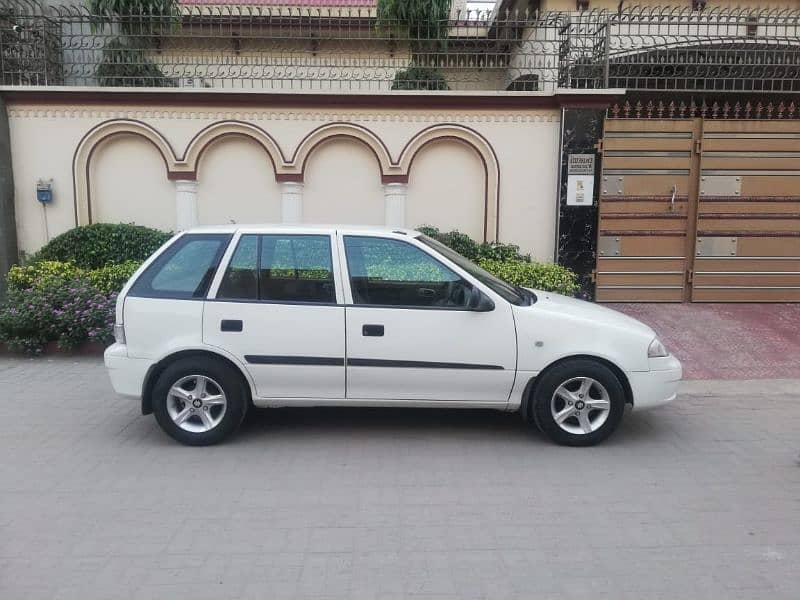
578,402
199,401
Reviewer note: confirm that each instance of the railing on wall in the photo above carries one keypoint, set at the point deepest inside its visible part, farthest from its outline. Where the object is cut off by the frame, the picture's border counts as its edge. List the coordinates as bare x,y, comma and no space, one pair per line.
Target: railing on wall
717,49
716,109
347,47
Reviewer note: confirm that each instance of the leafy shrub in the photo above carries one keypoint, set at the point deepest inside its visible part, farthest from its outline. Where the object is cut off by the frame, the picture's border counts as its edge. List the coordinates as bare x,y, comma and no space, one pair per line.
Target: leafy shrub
123,64
419,78
469,248
540,276
423,19
64,309
21,277
112,278
87,316
506,262
50,301
101,244
105,280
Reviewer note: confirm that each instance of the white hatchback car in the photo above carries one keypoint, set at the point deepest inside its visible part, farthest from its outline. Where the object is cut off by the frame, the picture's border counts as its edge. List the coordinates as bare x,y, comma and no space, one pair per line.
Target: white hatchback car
222,318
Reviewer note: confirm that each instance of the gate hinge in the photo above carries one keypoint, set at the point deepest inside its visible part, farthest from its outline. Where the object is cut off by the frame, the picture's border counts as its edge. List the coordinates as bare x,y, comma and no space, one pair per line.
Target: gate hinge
599,146
689,276
698,146
593,276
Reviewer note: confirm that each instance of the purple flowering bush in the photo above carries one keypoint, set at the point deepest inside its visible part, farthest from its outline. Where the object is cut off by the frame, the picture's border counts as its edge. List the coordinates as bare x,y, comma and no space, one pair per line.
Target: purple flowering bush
63,309
67,292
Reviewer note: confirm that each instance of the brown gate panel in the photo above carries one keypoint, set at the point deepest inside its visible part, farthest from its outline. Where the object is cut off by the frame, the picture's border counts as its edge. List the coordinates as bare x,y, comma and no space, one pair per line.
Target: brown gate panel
747,247
644,210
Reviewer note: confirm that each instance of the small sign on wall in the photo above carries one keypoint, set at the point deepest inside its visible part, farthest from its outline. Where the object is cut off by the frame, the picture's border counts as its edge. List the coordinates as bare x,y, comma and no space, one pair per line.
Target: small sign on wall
580,180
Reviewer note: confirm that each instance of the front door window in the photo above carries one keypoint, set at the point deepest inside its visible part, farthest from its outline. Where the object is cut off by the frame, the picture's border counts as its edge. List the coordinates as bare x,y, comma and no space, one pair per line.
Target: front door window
388,272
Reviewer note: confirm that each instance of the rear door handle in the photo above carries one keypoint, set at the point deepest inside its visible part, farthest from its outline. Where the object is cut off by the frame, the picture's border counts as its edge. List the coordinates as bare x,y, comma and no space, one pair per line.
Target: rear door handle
230,325
372,330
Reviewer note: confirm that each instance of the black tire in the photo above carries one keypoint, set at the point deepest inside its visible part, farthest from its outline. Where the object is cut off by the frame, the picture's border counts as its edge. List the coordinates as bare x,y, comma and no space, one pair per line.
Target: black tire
223,376
573,373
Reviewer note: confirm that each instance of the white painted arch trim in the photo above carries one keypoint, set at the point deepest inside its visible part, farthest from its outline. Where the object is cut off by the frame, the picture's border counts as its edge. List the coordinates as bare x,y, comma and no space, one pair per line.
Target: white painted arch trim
222,129
81,162
486,153
185,167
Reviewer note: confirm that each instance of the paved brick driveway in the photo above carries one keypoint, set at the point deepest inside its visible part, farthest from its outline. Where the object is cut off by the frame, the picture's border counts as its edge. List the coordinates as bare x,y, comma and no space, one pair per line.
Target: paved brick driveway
698,500
727,341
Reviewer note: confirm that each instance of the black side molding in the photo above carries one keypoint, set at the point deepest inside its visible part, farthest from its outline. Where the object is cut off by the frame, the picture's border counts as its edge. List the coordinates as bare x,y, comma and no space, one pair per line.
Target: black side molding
260,359
418,364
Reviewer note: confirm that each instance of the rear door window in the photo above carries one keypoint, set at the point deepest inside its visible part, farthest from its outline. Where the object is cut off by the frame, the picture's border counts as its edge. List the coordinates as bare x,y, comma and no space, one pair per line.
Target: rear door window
184,270
280,268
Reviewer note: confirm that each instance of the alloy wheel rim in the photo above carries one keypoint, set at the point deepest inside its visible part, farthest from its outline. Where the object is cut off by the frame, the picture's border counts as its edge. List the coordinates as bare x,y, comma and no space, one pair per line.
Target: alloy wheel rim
580,405
196,403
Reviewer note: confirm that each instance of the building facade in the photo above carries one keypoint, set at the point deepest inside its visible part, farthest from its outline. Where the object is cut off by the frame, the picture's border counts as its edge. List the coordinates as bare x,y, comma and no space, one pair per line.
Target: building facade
627,143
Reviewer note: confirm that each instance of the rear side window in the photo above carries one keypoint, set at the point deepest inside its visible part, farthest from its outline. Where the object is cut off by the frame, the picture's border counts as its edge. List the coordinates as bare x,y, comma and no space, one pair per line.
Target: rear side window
280,268
184,270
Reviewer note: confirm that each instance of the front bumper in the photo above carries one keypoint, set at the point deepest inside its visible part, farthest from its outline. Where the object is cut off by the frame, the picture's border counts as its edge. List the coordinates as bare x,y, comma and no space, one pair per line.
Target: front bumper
127,374
657,386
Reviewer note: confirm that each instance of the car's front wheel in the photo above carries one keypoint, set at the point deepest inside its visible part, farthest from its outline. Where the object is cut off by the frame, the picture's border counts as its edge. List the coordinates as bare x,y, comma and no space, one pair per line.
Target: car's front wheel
579,402
199,401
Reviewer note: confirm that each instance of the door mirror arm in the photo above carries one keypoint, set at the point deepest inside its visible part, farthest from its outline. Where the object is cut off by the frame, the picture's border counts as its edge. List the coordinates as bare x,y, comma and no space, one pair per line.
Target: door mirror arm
479,302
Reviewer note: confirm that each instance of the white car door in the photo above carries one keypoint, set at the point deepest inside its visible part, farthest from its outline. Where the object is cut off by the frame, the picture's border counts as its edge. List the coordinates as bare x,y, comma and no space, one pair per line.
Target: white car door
410,335
277,308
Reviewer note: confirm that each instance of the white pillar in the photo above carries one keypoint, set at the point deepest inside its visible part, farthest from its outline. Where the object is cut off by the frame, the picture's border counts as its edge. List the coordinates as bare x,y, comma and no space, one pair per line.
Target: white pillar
185,204
291,202
395,197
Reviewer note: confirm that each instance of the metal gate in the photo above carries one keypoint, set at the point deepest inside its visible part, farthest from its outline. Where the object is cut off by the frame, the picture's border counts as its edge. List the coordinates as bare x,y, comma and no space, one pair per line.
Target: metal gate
699,209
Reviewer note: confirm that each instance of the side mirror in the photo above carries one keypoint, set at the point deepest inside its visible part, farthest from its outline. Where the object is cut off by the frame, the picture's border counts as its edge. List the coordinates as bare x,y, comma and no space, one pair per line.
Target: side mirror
479,302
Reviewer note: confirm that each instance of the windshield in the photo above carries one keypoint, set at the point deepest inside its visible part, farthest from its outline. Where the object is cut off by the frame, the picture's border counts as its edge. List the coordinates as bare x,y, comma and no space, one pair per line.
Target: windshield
512,293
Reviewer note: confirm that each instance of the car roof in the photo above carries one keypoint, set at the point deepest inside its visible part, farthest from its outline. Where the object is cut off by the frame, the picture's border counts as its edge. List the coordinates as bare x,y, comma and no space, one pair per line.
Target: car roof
301,228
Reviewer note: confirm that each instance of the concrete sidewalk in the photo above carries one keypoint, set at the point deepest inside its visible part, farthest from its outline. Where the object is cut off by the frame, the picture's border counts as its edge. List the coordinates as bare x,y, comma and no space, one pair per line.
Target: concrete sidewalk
695,500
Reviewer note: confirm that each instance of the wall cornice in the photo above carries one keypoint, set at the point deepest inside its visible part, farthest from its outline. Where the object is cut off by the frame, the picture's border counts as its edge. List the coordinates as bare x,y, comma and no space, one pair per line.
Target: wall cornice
27,111
181,99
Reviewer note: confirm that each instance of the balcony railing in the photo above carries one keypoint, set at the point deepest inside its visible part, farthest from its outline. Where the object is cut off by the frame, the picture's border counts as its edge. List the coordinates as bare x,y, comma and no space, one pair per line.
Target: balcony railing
346,47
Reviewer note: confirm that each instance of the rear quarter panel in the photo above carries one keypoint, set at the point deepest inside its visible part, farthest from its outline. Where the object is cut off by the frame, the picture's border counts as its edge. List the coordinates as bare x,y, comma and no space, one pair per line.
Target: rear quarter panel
155,327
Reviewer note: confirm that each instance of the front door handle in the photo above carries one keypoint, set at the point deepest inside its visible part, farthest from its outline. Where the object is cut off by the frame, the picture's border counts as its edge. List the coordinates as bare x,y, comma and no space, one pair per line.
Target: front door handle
372,330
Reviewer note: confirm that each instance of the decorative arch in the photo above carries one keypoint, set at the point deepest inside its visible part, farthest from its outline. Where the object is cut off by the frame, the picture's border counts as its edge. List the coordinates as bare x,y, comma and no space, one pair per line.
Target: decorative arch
297,165
81,161
486,154
205,138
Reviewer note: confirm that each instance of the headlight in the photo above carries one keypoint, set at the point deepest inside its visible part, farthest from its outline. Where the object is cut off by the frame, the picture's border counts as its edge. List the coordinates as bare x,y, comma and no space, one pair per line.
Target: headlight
119,333
656,349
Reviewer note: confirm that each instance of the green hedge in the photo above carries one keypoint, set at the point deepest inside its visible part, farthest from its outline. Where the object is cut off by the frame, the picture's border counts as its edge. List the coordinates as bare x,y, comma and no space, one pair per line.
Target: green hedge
475,251
61,308
105,280
50,301
102,244
419,78
21,277
541,276
67,291
506,262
